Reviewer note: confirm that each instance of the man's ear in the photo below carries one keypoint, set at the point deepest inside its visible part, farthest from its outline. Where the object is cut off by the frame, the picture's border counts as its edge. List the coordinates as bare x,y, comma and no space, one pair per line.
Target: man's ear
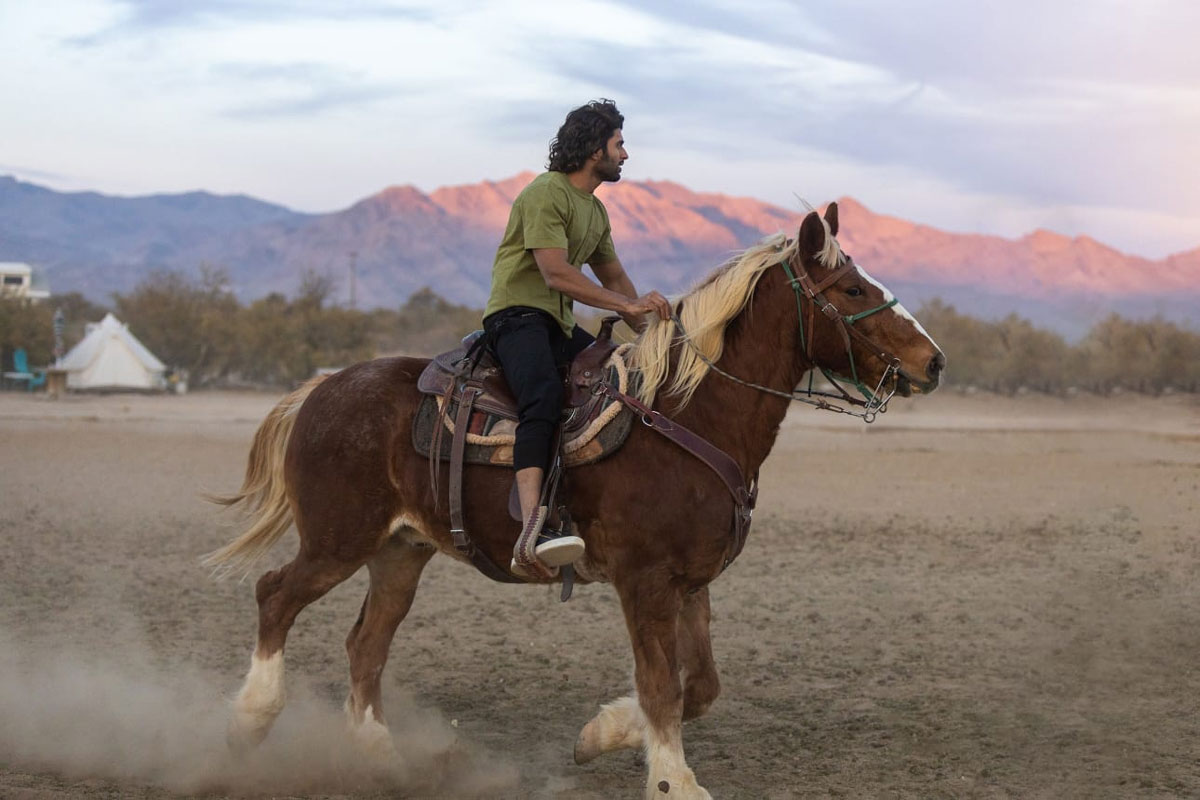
596,156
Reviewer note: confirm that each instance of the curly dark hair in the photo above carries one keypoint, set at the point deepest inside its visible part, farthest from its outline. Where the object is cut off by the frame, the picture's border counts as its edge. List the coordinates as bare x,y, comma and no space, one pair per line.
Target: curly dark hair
586,130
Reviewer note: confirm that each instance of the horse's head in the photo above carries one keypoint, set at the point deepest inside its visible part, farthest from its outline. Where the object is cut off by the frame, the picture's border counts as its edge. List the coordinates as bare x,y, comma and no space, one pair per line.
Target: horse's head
852,326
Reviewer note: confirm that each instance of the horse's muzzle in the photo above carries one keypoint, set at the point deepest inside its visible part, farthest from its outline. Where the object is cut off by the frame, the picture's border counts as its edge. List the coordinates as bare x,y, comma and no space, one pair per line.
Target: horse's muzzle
935,366
906,383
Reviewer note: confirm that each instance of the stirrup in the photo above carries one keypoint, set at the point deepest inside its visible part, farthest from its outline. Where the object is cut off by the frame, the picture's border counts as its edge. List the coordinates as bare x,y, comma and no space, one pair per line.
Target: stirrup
557,548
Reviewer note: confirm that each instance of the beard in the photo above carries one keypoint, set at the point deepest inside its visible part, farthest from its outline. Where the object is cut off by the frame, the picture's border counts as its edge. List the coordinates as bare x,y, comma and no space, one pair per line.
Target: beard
608,169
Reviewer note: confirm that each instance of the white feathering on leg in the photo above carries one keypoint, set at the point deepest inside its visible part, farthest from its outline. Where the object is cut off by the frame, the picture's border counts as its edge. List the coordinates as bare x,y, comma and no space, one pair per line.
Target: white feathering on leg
668,775
260,700
618,725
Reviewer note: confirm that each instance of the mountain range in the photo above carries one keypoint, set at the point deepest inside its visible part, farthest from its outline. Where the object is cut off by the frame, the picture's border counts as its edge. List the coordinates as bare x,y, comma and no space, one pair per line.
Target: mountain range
668,236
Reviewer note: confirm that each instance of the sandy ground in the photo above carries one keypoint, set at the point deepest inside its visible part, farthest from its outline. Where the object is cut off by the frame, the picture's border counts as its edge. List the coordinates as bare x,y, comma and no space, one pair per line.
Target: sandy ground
974,597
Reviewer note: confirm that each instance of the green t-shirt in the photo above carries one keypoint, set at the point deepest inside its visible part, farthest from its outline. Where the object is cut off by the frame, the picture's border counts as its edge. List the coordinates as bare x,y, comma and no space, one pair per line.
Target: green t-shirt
549,212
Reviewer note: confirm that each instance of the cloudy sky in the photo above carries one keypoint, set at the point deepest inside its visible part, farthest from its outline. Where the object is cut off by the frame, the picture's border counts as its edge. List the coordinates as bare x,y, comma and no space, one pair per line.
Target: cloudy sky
1082,116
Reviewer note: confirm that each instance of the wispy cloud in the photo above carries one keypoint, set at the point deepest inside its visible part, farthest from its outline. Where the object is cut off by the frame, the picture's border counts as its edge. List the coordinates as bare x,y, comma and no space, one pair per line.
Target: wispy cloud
142,16
775,22
312,103
300,88
37,174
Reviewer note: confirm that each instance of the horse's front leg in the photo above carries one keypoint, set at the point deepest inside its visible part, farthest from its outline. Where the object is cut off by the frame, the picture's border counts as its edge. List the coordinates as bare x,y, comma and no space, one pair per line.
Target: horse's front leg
700,682
652,605
621,724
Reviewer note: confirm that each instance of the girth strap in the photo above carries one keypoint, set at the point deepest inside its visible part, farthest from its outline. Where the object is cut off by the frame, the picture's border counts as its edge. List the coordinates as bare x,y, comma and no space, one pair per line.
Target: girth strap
462,540
744,495
458,447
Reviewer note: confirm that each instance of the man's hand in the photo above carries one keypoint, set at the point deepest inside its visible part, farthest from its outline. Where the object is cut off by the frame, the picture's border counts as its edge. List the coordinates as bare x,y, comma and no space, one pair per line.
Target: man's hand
651,302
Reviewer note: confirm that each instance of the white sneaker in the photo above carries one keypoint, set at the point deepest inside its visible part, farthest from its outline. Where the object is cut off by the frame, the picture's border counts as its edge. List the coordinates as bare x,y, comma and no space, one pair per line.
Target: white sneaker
556,549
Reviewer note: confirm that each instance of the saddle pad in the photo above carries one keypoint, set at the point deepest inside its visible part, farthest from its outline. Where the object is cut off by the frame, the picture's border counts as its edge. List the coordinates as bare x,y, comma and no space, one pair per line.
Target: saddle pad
490,438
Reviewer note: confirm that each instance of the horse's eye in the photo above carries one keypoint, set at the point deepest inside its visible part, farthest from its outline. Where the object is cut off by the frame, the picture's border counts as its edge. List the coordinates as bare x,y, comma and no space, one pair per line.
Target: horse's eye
854,291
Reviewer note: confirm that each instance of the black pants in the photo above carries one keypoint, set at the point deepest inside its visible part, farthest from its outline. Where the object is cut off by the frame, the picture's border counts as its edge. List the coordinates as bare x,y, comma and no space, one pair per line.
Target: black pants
534,352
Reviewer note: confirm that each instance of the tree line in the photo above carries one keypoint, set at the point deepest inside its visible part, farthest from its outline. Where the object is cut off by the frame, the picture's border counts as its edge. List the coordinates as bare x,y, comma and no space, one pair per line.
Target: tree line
198,327
1006,356
196,324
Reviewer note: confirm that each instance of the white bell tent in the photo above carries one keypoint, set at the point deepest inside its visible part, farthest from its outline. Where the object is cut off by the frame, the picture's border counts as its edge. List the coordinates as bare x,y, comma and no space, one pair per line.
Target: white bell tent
110,357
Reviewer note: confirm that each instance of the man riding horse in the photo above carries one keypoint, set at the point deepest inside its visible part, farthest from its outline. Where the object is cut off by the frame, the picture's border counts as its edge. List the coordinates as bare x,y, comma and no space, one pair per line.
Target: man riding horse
557,224
663,517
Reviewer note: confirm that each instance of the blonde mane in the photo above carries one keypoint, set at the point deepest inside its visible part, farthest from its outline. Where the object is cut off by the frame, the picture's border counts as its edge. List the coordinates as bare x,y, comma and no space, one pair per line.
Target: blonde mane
707,310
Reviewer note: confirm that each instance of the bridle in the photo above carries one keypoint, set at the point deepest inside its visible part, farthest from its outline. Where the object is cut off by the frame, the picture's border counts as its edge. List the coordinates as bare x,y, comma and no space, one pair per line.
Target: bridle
875,400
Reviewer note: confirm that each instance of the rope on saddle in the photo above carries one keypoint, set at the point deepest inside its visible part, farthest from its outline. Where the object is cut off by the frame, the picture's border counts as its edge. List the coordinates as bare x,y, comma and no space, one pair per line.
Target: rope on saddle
616,361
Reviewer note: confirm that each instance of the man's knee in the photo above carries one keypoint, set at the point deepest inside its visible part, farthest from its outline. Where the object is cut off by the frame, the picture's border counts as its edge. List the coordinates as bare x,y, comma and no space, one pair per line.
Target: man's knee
543,402
532,448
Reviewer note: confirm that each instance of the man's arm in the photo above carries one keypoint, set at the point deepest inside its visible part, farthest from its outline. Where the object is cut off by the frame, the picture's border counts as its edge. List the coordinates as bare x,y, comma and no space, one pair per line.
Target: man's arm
613,277
617,293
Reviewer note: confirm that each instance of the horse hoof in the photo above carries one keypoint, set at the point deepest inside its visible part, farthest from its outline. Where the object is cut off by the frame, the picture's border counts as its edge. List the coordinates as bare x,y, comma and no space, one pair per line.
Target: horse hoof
241,738
588,745
667,791
681,788
371,737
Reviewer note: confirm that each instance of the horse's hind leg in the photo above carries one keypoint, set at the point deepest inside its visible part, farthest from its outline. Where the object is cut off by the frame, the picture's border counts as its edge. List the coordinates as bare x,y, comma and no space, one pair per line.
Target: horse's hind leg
395,572
621,723
282,594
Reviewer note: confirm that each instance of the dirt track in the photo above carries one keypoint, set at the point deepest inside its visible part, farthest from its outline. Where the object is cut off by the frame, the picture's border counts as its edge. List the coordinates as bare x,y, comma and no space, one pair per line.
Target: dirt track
974,597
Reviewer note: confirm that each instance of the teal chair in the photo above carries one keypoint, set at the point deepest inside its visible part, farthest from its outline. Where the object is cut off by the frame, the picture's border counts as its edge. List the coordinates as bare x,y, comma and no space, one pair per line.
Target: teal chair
21,372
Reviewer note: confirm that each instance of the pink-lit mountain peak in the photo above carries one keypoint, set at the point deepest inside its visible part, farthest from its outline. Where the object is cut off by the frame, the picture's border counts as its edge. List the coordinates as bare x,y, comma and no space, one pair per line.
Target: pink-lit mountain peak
659,220
1044,241
397,200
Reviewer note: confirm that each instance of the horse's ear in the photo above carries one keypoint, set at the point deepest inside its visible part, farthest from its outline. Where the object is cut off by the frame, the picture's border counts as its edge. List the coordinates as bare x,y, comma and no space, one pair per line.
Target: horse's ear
812,235
831,218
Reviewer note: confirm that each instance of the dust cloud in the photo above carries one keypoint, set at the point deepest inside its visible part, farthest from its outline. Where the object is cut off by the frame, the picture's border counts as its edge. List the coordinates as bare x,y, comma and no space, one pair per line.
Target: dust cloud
125,715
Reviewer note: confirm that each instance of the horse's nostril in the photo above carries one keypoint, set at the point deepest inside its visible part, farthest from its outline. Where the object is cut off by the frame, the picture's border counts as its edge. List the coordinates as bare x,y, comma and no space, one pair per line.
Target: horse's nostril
936,365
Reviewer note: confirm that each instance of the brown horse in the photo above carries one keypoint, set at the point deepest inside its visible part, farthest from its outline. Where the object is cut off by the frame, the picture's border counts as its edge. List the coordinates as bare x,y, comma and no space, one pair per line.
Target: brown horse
336,458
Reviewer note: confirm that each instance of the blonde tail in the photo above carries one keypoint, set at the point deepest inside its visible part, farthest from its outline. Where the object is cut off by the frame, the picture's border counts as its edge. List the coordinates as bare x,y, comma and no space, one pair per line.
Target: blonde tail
263,493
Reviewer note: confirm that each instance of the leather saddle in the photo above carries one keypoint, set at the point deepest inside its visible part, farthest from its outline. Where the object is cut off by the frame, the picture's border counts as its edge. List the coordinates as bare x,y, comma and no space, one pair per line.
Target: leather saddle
471,366
469,380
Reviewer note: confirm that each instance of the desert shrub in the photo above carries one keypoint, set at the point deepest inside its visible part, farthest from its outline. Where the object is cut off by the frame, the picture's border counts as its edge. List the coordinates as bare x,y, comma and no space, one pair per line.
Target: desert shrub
189,323
1149,356
1010,354
199,325
424,325
30,326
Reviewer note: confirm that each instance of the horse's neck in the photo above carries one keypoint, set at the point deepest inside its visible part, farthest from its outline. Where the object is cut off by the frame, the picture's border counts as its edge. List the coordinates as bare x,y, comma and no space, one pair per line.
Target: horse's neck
760,347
